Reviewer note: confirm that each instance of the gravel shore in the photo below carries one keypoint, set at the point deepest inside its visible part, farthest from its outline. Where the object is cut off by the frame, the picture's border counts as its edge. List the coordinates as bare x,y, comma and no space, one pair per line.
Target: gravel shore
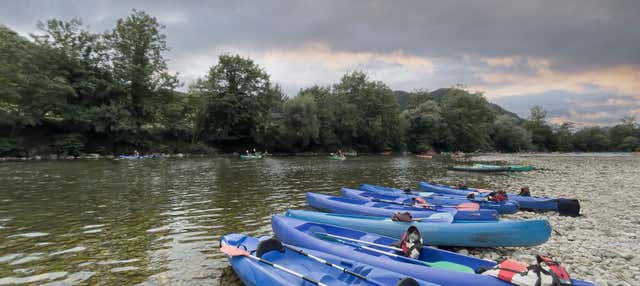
602,244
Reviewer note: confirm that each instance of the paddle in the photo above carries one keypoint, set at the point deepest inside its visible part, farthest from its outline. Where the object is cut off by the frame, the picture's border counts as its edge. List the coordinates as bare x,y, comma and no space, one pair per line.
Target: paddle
345,270
353,242
462,206
234,251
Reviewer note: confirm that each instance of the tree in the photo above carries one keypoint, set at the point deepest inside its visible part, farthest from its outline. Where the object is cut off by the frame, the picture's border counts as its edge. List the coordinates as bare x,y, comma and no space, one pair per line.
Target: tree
425,126
542,135
592,139
139,67
31,88
368,115
564,136
327,105
625,136
508,136
301,126
240,99
469,119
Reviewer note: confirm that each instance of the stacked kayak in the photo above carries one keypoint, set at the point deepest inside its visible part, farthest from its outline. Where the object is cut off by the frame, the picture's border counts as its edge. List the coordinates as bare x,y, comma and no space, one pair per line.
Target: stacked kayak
503,207
253,272
366,207
432,265
441,232
569,207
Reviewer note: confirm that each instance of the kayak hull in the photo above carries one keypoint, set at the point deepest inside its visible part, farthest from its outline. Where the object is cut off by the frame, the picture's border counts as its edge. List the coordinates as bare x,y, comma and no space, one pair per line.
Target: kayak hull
525,202
249,157
253,272
504,207
461,215
478,234
302,234
350,206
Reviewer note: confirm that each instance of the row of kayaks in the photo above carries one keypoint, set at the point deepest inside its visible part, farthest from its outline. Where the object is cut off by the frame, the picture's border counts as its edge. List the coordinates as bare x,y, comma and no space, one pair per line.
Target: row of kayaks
492,168
385,236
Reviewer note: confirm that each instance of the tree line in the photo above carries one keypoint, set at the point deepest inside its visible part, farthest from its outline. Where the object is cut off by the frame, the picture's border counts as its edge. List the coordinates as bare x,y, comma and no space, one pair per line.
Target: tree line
66,90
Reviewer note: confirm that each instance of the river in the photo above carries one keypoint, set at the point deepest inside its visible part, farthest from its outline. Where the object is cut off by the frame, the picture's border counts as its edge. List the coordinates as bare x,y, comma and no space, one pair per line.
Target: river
158,221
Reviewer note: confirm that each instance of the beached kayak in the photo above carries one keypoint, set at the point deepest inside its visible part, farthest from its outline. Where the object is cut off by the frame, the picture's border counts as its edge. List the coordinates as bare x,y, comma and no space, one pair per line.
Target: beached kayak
350,206
568,207
314,236
513,168
503,207
442,232
253,272
249,157
464,210
338,158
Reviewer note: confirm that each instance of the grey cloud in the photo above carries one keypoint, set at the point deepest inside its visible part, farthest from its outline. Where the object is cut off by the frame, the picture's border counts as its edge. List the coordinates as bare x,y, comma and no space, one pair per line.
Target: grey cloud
576,34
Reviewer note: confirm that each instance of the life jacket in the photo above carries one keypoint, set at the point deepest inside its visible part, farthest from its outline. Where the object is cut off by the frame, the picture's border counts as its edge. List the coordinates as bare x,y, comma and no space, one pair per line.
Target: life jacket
421,203
497,196
546,272
411,243
405,217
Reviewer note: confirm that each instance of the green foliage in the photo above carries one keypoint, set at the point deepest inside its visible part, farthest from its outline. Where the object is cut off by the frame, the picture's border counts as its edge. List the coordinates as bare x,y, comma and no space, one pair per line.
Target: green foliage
69,144
300,122
542,135
508,136
425,127
114,91
469,118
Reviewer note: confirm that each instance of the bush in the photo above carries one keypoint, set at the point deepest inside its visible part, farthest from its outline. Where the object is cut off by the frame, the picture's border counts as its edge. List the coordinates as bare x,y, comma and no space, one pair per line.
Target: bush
69,144
7,146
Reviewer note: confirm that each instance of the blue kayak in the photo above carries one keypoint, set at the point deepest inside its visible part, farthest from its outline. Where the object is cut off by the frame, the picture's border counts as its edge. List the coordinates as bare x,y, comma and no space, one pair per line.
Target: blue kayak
441,232
253,272
401,200
308,235
504,207
564,206
351,206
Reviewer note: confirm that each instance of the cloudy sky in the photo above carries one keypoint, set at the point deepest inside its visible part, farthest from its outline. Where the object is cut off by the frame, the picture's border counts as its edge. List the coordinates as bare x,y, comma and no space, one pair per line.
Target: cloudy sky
579,59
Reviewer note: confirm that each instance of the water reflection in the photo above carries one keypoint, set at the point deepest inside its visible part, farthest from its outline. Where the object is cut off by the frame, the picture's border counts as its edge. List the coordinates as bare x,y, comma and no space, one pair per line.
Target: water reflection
157,222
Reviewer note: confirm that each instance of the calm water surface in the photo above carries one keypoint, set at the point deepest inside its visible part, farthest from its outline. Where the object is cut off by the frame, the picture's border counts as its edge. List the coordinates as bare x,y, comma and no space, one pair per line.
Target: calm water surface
158,221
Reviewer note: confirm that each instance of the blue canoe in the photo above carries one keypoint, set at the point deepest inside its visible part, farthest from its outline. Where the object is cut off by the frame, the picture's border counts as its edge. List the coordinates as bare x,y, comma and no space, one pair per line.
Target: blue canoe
504,207
564,206
350,206
401,200
440,232
305,234
256,273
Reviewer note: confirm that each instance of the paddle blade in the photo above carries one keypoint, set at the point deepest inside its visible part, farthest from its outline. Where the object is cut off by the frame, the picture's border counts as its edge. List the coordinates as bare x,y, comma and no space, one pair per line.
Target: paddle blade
451,266
468,206
233,251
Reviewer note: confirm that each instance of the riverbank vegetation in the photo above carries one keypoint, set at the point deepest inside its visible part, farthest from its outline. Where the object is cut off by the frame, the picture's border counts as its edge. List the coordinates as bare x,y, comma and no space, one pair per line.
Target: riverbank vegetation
66,90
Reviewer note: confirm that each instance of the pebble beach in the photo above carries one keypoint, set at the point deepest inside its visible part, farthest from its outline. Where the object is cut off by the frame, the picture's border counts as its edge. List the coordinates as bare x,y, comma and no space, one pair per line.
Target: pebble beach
602,244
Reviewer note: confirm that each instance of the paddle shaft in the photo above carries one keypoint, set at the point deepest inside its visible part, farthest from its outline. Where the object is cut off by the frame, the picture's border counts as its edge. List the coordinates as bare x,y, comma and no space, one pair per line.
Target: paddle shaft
362,241
380,251
345,270
280,267
431,207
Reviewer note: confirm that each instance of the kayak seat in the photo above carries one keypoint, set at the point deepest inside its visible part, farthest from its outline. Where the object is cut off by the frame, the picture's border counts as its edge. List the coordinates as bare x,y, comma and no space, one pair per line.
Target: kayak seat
269,245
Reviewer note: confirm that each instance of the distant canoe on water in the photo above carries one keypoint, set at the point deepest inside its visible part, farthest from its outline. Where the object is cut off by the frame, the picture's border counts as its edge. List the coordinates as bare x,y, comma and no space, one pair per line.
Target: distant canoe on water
249,157
424,156
493,168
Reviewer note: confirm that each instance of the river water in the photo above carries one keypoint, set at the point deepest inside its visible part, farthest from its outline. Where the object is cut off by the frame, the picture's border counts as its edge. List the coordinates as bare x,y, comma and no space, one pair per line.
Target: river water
158,221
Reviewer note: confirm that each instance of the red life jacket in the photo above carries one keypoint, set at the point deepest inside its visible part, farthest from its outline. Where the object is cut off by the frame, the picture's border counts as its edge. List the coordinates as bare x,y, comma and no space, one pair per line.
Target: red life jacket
546,272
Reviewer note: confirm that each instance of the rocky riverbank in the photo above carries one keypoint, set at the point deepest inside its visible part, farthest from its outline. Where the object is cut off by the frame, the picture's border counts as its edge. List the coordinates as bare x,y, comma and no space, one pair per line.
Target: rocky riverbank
602,244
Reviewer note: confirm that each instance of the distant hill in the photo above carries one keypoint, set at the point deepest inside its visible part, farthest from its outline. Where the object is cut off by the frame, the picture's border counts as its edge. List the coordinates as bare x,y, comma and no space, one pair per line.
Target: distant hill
402,97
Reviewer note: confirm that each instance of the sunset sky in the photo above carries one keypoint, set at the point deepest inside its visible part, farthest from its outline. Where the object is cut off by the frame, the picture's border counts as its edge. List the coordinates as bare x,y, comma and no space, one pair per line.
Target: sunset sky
579,59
